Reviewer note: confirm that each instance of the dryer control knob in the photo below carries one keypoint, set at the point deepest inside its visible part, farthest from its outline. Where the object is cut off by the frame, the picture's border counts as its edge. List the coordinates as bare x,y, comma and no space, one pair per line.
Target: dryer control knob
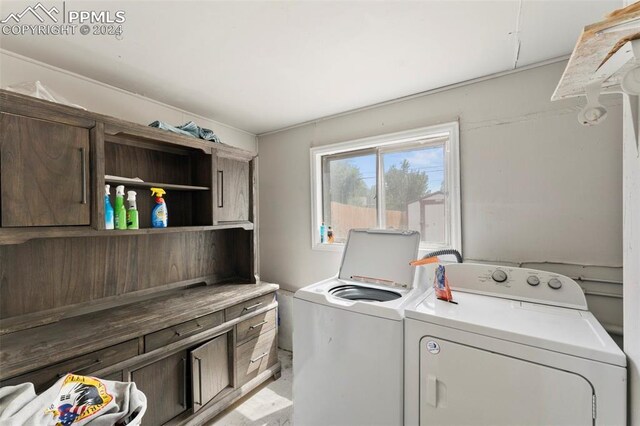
499,276
532,280
555,283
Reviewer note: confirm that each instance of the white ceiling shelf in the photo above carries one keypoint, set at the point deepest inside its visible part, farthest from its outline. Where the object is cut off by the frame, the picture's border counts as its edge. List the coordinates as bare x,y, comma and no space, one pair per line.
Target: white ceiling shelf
598,54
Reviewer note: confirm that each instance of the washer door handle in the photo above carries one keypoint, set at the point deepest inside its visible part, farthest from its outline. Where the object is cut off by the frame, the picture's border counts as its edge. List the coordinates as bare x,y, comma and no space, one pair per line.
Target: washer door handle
432,391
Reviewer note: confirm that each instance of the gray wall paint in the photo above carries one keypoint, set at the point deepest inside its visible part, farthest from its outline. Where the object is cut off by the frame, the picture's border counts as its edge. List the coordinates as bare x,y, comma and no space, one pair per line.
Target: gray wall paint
536,185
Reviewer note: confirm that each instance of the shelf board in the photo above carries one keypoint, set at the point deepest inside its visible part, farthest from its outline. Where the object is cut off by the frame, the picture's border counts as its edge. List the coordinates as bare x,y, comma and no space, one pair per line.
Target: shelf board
21,235
166,186
596,44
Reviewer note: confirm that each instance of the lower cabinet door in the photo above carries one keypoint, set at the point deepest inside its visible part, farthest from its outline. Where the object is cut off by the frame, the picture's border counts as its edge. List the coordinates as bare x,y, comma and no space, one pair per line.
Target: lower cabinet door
164,384
210,369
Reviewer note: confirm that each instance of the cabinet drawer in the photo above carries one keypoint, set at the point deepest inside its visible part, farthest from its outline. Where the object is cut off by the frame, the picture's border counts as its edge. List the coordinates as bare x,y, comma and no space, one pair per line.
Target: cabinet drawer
256,356
249,306
254,326
178,332
85,364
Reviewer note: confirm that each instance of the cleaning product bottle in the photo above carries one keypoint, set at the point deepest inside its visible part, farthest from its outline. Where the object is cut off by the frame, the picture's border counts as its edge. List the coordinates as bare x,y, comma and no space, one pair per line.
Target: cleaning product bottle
132,212
120,211
323,233
159,214
108,208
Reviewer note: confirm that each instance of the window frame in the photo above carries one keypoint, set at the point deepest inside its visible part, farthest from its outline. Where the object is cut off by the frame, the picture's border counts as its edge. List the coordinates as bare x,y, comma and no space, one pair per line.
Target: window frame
388,143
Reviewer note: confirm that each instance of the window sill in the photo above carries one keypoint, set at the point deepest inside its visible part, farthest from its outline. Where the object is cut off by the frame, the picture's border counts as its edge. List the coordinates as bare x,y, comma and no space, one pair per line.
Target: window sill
337,247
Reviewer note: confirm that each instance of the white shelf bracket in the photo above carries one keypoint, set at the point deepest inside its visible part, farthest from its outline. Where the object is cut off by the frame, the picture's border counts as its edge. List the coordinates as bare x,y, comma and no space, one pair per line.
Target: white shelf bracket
594,112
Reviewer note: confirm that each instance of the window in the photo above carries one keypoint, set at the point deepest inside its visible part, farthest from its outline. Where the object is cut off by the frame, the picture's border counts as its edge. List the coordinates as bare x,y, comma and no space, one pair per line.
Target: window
407,180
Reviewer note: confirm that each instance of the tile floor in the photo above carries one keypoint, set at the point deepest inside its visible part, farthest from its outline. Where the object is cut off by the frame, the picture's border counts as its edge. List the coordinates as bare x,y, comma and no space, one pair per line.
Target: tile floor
269,405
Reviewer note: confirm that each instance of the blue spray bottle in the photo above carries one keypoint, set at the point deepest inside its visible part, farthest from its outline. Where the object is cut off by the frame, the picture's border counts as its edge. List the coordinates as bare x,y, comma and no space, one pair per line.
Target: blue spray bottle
159,214
108,209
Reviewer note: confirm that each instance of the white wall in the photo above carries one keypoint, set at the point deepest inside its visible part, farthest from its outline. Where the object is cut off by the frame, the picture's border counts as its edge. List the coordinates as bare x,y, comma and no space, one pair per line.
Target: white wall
109,100
632,260
537,186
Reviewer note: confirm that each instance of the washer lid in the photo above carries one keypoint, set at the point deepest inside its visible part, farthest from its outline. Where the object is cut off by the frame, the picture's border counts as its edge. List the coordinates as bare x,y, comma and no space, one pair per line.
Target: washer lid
380,257
564,330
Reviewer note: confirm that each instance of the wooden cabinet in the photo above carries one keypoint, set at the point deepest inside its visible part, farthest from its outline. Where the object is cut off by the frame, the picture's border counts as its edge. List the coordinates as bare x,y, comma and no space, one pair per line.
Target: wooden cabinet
181,331
44,173
233,197
256,355
84,364
54,163
165,385
249,306
255,326
210,367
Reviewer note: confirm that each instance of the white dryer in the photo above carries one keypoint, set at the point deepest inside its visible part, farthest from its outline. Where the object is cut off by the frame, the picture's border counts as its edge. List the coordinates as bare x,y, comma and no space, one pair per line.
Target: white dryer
519,348
348,334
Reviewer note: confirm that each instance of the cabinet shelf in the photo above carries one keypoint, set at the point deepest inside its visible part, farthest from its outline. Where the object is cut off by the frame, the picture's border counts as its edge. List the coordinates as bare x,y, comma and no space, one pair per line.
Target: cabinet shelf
21,235
167,186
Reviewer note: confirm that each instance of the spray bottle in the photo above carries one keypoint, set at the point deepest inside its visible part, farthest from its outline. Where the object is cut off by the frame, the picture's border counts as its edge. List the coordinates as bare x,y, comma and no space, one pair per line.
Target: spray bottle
108,208
120,211
159,214
132,212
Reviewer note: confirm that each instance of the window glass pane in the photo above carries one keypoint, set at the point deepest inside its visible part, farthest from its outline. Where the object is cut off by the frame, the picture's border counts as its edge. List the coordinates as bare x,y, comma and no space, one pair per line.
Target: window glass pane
349,193
414,192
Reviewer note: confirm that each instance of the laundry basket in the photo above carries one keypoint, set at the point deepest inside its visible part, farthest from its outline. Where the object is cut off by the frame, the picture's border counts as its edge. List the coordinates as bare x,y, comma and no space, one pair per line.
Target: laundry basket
73,399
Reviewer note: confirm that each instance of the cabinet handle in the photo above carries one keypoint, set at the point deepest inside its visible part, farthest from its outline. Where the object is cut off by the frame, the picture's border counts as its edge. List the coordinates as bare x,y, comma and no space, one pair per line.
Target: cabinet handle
199,402
258,358
84,175
182,333
184,383
248,308
79,370
258,325
220,188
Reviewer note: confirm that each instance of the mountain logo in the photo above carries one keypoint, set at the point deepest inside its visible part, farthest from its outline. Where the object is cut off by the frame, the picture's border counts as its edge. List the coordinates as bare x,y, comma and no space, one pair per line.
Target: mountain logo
38,10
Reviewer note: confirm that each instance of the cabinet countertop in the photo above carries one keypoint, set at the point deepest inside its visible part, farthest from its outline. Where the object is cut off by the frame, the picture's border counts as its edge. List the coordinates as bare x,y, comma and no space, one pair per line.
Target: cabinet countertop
37,347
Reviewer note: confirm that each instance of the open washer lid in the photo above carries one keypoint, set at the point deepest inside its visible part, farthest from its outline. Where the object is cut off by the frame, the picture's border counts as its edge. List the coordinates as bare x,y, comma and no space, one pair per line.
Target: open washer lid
380,257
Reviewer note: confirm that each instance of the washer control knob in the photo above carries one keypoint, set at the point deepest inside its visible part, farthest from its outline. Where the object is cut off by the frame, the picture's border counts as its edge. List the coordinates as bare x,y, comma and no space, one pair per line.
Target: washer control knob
555,283
499,276
532,280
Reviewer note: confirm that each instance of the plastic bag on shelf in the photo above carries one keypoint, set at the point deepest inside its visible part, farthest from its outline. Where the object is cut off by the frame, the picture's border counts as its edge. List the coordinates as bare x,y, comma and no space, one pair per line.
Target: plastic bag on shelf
40,91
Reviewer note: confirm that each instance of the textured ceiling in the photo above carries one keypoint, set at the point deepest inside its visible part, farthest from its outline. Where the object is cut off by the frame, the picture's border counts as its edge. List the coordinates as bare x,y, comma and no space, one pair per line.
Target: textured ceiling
265,65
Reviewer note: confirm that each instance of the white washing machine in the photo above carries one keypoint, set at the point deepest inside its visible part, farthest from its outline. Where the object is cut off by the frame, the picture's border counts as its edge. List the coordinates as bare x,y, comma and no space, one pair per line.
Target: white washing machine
518,348
348,334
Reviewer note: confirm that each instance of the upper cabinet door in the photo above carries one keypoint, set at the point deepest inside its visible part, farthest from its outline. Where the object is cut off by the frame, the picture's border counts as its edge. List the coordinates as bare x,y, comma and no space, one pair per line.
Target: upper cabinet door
44,178
232,190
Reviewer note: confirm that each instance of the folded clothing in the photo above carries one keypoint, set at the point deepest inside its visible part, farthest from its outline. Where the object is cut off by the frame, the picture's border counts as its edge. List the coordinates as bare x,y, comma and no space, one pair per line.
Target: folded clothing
73,399
188,129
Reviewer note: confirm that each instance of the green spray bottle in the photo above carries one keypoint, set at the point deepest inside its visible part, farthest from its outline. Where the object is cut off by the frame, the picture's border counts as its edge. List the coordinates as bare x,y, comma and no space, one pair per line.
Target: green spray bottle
120,211
132,211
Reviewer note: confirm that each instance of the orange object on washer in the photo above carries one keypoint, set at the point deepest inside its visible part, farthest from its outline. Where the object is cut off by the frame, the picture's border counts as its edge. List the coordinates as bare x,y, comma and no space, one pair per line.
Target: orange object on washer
441,285
425,261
